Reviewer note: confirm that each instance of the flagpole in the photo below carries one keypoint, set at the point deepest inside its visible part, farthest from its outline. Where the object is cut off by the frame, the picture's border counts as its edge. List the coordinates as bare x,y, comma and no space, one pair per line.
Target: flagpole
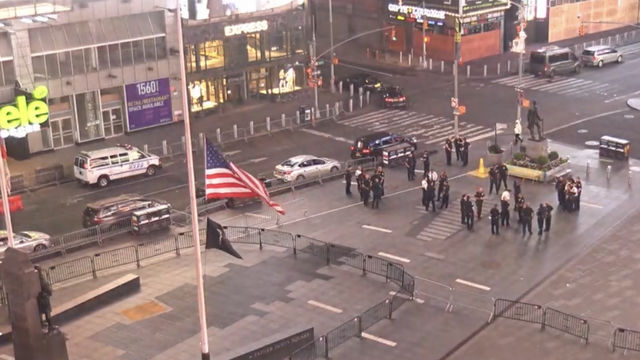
204,339
5,195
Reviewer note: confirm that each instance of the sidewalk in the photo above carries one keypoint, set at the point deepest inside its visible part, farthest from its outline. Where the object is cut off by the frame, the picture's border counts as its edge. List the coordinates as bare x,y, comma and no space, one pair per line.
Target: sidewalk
505,63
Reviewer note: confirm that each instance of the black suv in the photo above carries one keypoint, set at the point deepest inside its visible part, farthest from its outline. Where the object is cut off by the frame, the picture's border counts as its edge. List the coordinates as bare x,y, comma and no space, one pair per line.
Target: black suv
115,210
361,80
392,97
372,144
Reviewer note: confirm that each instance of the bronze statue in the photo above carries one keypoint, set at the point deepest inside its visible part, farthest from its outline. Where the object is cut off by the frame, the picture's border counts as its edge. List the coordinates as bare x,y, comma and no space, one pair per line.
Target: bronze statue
44,304
534,120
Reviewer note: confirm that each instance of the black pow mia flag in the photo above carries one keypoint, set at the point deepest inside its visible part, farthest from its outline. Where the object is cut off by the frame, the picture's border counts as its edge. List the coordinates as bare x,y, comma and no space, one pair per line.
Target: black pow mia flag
217,239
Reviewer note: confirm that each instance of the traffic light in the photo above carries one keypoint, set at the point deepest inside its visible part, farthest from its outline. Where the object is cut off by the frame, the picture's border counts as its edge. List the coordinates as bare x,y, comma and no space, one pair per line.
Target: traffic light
462,110
335,61
393,34
426,39
581,30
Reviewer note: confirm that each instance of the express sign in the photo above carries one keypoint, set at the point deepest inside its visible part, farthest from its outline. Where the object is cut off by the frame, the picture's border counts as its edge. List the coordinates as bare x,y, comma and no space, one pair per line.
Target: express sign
20,118
246,28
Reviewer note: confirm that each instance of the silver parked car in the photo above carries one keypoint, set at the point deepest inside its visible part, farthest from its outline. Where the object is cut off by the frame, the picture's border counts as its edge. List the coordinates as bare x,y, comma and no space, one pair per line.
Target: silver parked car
600,55
26,241
305,166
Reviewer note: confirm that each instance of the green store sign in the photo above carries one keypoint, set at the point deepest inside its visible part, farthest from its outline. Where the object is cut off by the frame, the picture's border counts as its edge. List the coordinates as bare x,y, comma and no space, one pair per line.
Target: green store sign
22,117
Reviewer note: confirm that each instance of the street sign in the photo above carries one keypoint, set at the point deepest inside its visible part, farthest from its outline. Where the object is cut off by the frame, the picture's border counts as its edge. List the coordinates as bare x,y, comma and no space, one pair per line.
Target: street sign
517,46
501,126
454,102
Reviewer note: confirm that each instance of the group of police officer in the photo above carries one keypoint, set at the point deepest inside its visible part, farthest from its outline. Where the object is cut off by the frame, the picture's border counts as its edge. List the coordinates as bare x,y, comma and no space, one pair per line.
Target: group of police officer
367,185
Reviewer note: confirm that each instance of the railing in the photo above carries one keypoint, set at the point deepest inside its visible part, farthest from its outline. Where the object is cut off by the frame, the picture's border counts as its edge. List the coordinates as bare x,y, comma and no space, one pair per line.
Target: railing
625,339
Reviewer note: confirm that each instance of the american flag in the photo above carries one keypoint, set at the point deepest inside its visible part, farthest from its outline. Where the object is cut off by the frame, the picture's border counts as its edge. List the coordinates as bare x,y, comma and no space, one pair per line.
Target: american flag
224,180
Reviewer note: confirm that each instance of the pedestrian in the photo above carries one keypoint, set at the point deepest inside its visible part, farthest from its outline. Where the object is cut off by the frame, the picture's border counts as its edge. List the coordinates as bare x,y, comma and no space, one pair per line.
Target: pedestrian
457,143
347,178
495,219
463,208
493,180
578,185
503,172
469,215
431,196
519,205
517,188
359,175
504,208
443,179
432,176
465,151
560,185
479,196
547,219
425,162
423,186
517,131
380,175
411,166
445,195
527,218
377,193
541,214
448,147
366,188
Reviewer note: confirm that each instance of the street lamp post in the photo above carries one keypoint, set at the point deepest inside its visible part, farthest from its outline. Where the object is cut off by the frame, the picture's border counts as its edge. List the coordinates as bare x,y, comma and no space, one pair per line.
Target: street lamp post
333,74
521,38
424,44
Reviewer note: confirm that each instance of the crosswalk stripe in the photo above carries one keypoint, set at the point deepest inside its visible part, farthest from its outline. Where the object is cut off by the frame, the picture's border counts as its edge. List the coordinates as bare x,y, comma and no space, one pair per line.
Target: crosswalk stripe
424,237
576,89
533,82
366,118
391,121
437,236
447,226
441,231
483,136
408,121
432,141
377,119
509,79
569,86
557,84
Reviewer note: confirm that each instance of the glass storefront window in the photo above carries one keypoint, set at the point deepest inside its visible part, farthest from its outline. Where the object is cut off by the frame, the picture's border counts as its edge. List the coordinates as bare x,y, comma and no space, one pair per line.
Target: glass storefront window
254,47
190,57
206,94
103,57
88,119
212,54
8,72
298,43
127,54
150,50
90,59
161,48
138,52
278,43
114,55
65,63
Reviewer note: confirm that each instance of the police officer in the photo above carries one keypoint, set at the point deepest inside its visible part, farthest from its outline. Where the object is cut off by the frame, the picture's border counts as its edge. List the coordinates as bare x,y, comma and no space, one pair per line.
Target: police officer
547,219
448,147
411,167
463,207
560,185
359,177
380,175
366,188
495,219
504,208
469,215
443,179
347,178
479,196
445,195
465,151
578,185
423,186
503,172
527,218
541,214
519,205
425,162
457,143
431,196
377,193
493,180
517,188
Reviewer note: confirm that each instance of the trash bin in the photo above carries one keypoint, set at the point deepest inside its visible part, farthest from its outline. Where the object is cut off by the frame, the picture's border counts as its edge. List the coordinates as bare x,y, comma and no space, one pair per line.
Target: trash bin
614,148
305,113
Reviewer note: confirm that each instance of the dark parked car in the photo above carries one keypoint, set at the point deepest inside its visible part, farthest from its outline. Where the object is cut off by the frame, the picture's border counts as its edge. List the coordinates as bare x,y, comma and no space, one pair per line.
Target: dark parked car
361,80
372,144
392,97
117,209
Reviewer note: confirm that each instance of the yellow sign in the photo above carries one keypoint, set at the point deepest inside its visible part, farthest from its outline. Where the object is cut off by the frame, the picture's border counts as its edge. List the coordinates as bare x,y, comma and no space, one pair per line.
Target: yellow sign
20,118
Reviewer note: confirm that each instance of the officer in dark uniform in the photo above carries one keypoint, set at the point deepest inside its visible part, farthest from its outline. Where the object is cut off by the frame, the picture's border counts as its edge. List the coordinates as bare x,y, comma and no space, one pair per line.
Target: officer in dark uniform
527,218
448,147
504,212
503,173
411,167
380,175
431,196
463,214
360,174
445,195
541,214
347,178
495,219
457,143
560,185
465,151
519,205
493,180
441,180
377,193
547,219
578,185
425,162
366,188
468,211
517,188
479,196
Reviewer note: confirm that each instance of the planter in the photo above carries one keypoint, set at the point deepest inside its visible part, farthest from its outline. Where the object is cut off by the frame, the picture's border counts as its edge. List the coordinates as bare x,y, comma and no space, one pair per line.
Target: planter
493,158
526,173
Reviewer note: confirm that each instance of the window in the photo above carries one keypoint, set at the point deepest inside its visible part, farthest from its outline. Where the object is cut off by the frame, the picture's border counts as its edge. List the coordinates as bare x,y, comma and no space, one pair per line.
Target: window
39,69
318,162
77,58
161,48
114,55
127,54
103,57
114,159
150,50
90,59
138,52
124,157
558,58
190,57
211,54
53,71
99,162
254,48
297,43
537,58
65,63
278,43
8,72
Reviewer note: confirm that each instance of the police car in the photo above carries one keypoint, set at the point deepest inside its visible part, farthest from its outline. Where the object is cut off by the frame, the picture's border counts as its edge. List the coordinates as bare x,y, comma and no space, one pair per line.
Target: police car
102,166
25,241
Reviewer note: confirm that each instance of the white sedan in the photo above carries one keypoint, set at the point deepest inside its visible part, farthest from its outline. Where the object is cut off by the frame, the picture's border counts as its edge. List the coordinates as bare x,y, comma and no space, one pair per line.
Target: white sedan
305,166
26,241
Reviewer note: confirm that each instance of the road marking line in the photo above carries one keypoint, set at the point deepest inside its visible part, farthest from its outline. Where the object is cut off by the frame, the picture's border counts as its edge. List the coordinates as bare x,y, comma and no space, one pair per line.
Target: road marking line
434,256
352,183
398,258
232,152
621,96
472,284
379,339
591,205
424,237
376,228
324,306
257,215
320,133
585,119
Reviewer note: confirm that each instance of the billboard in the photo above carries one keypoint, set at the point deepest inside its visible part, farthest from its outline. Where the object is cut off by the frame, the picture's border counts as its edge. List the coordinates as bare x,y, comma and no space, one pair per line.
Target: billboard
148,104
436,8
204,9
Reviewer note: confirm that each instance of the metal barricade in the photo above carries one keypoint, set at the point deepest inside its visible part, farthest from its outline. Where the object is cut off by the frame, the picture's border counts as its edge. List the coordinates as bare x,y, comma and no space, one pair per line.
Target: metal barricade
342,333
378,266
155,248
374,314
276,238
516,310
567,323
71,270
116,257
625,339
311,246
437,291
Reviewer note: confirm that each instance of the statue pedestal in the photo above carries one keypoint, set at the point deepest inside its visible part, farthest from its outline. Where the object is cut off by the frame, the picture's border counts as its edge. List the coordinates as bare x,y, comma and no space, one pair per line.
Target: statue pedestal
535,148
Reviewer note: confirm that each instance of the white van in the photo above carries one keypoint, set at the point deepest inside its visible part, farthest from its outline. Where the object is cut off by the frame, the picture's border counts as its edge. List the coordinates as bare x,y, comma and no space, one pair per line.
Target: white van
102,166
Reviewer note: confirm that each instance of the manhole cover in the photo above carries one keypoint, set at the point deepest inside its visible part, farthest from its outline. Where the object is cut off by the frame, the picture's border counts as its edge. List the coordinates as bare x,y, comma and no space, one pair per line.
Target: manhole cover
592,143
583,131
629,116
634,168
490,265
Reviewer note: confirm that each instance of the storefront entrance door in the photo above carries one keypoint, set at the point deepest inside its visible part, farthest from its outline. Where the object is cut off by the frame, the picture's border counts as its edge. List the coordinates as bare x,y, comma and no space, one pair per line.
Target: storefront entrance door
112,122
61,132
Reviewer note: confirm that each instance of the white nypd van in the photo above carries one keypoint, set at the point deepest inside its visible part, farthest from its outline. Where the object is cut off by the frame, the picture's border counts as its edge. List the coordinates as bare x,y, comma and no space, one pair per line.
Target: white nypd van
104,165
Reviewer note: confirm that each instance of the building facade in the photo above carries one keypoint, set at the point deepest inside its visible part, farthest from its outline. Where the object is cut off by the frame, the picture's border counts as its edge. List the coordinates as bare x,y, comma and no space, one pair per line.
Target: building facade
110,67
237,53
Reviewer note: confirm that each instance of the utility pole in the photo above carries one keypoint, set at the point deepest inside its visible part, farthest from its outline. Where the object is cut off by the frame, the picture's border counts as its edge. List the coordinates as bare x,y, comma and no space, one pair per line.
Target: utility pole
333,74
314,68
4,180
456,59
520,48
424,44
